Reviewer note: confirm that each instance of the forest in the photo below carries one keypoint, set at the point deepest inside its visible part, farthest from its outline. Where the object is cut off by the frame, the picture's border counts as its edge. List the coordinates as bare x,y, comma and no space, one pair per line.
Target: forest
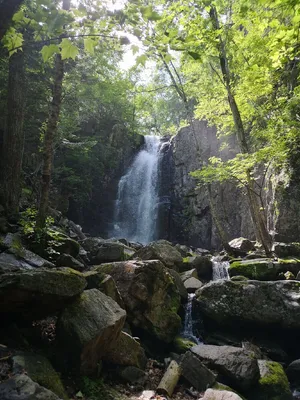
149,199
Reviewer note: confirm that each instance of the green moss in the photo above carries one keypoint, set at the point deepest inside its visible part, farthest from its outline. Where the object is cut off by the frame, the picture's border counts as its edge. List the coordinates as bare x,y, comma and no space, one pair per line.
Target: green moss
258,270
186,259
274,384
182,345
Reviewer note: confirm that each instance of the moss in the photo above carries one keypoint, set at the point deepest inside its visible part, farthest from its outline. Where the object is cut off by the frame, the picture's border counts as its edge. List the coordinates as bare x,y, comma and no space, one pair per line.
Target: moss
274,383
258,270
186,259
182,345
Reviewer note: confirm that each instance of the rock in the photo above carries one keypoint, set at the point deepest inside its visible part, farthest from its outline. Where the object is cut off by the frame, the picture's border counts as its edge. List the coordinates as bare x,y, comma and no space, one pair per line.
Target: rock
101,251
185,251
21,387
242,244
202,252
202,264
238,278
9,263
150,296
182,344
66,260
192,273
293,371
31,258
132,375
192,284
289,276
273,383
286,249
252,302
62,243
260,269
213,394
162,251
179,284
239,366
88,328
196,373
298,276
105,283
40,370
39,292
126,351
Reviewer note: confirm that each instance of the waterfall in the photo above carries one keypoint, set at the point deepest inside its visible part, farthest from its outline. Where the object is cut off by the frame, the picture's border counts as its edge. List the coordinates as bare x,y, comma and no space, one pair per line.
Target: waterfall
136,206
188,321
220,269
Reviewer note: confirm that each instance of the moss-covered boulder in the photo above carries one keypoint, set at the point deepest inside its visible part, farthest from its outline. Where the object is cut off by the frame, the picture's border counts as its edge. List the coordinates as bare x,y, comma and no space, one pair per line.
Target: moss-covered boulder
105,283
260,269
88,328
40,370
182,345
39,292
163,251
62,243
273,383
286,249
150,296
127,351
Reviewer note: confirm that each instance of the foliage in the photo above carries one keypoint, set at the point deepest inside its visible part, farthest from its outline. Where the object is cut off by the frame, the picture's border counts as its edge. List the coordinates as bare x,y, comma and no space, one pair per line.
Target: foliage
28,220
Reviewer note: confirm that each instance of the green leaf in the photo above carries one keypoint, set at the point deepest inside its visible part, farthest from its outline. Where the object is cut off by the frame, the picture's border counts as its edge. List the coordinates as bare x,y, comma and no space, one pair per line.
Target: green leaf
149,14
135,49
141,59
48,51
89,45
18,16
68,49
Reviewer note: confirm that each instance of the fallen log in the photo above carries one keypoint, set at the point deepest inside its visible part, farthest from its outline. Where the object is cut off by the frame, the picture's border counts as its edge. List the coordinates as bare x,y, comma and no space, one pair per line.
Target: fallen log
169,380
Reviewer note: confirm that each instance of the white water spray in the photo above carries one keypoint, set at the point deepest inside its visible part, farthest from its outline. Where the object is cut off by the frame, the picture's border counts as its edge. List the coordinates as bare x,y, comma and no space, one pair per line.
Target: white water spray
220,269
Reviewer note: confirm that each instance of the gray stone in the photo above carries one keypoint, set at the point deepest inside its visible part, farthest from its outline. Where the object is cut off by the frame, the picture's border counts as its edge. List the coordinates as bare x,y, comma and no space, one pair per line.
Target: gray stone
255,302
239,366
293,371
242,244
286,249
105,283
66,260
196,373
179,284
192,273
21,387
163,251
101,251
202,264
132,375
192,284
88,328
185,251
214,394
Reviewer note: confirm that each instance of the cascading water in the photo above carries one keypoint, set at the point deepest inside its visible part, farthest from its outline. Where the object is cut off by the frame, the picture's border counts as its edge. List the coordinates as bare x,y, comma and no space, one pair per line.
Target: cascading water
136,206
220,269
188,321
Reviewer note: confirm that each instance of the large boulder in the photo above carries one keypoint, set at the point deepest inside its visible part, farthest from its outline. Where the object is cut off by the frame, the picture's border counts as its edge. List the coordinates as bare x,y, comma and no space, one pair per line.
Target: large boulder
127,351
105,283
88,328
192,284
286,249
192,273
163,251
39,292
66,260
196,373
202,264
101,251
179,284
273,383
254,302
150,296
21,387
293,371
242,244
238,366
214,394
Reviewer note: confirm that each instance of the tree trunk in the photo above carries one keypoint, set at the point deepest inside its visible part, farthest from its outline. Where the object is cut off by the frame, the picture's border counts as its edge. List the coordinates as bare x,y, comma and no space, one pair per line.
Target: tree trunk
13,138
258,219
7,10
170,379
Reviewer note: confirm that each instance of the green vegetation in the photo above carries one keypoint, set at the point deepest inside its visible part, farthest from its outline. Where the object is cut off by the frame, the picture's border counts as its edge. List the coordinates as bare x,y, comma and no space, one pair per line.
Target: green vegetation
274,384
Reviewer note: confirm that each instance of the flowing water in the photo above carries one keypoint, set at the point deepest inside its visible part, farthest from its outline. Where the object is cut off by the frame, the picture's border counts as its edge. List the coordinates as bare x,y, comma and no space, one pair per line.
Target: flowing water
136,206
188,321
220,269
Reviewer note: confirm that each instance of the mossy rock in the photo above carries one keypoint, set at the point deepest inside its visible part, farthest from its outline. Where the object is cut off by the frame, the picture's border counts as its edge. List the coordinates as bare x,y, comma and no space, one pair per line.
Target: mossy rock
259,269
182,344
220,386
40,370
238,278
96,389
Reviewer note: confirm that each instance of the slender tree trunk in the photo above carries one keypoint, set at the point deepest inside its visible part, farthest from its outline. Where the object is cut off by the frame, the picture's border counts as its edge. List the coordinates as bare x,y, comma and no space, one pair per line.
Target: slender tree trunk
13,138
258,219
7,10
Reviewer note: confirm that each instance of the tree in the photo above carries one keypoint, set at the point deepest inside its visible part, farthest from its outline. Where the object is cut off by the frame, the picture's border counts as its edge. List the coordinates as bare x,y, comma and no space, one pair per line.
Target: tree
7,10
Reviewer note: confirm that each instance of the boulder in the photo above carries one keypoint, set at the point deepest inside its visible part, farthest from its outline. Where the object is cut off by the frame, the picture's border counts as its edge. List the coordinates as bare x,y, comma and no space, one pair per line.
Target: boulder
179,284
286,249
62,243
215,394
252,302
10,263
260,269
185,251
273,383
163,251
132,375
192,273
192,284
66,260
196,373
101,251
105,283
40,370
202,264
88,328
238,366
242,244
150,296
127,351
39,292
182,344
21,387
293,372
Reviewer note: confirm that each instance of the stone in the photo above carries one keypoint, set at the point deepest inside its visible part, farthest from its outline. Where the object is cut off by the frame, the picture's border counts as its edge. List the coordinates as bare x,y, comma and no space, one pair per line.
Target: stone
202,264
10,263
196,373
273,383
132,375
214,394
38,292
40,370
163,251
127,351
21,387
192,273
88,328
237,365
286,249
101,251
242,244
62,243
293,371
251,302
185,251
105,283
260,269
150,296
179,284
66,260
192,284
238,278
182,344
